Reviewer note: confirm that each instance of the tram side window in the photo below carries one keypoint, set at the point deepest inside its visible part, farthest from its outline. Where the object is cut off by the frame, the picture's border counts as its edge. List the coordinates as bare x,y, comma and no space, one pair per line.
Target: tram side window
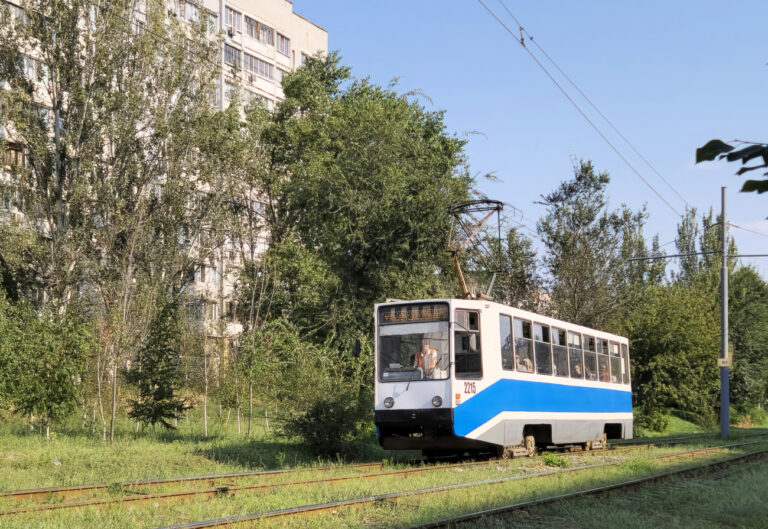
466,340
615,363
602,361
542,349
559,353
590,358
574,355
625,363
505,338
523,352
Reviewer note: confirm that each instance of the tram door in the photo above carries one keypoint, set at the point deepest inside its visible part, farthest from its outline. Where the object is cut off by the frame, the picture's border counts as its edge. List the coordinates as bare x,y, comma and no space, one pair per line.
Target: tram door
468,359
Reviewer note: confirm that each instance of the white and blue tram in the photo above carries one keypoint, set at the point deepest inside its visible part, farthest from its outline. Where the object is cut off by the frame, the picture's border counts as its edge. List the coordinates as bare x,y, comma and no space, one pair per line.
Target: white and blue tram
464,375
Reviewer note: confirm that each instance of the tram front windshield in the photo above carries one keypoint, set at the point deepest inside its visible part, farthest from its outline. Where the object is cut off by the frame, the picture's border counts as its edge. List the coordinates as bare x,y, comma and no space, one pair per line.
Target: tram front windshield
413,351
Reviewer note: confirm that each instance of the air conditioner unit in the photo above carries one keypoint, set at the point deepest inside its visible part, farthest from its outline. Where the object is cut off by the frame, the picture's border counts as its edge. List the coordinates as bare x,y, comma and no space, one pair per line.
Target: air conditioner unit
230,33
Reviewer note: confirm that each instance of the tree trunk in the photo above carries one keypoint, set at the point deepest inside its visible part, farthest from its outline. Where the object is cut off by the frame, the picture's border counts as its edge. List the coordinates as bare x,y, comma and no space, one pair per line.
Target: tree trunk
114,404
205,392
266,419
239,428
250,406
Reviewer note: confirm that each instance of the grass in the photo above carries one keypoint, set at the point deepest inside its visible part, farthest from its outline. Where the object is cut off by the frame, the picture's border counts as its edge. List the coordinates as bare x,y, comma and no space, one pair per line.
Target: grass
75,457
732,499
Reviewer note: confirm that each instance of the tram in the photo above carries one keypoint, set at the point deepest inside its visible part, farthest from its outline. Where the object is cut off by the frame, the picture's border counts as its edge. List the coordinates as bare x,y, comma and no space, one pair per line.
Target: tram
472,375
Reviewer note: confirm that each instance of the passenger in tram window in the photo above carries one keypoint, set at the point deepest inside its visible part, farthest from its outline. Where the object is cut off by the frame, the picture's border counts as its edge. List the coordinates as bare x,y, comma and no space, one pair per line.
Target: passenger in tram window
576,371
604,376
524,365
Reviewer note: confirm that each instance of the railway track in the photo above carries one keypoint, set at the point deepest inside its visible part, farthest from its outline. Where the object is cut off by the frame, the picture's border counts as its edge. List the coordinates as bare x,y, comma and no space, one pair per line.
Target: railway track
239,520
226,484
625,485
217,485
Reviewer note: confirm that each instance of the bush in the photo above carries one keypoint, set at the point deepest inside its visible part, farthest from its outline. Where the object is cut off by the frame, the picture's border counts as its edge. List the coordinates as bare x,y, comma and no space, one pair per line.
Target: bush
329,425
655,420
554,460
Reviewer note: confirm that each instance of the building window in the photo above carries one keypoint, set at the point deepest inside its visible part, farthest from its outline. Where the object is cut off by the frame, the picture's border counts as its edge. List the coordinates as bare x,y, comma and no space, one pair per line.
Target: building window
233,19
279,73
13,156
10,13
304,58
232,55
259,31
229,91
188,11
259,67
283,44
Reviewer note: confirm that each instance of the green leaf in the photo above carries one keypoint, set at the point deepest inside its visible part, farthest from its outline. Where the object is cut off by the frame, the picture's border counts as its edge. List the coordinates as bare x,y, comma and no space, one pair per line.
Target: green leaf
748,169
748,153
761,186
708,152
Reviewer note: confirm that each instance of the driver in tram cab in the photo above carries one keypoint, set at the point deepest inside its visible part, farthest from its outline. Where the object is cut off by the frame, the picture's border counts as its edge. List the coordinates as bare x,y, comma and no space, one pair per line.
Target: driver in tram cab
426,359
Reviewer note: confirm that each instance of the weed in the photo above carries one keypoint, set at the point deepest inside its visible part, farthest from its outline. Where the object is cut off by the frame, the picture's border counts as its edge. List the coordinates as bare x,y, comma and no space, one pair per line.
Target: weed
554,460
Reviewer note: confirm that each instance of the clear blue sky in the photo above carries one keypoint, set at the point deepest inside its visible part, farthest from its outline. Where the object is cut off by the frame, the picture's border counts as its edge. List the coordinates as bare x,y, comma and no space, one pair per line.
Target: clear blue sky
669,75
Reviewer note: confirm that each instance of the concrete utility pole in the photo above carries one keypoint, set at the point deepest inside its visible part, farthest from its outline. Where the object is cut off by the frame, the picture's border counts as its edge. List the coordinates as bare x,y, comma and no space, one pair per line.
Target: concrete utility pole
724,381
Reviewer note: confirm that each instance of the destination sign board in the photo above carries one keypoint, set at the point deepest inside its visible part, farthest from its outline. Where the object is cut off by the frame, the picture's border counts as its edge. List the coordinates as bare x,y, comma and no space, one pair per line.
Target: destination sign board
414,312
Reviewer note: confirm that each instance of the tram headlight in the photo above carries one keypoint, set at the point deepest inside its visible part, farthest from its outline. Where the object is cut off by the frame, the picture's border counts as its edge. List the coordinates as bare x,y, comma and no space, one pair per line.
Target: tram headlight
389,402
437,401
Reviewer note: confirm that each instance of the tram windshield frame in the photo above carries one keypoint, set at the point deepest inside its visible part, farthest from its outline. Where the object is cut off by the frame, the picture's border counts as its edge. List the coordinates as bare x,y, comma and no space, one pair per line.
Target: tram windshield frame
415,344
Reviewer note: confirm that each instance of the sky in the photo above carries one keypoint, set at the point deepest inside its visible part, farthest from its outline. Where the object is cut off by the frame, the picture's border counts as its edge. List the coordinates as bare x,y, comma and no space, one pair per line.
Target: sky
670,76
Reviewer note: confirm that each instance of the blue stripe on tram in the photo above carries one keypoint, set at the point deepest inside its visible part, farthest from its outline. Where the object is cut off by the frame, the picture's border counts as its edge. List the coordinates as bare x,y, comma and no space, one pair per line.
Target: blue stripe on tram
524,395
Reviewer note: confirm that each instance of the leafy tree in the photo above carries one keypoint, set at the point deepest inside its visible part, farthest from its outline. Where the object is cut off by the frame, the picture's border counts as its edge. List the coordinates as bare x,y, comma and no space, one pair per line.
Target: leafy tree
748,319
358,185
587,247
114,115
748,152
517,280
157,374
674,332
41,361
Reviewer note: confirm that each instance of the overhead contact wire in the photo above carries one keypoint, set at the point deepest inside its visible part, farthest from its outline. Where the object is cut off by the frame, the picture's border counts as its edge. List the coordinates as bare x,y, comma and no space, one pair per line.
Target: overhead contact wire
580,111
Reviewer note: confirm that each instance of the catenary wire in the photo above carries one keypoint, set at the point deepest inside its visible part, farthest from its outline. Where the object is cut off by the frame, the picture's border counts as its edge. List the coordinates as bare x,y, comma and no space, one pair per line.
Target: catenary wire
580,111
747,229
615,129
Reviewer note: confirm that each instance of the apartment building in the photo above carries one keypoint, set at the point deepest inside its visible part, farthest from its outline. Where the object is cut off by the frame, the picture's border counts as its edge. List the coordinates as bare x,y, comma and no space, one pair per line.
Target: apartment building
262,40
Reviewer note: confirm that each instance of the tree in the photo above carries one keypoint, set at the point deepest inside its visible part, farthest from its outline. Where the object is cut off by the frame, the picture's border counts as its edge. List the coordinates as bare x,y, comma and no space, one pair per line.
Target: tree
674,332
157,374
113,112
587,247
748,152
358,183
748,333
41,361
517,280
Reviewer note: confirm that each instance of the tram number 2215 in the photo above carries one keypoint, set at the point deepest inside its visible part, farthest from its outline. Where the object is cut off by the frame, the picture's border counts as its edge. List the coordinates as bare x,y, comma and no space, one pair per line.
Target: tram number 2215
470,388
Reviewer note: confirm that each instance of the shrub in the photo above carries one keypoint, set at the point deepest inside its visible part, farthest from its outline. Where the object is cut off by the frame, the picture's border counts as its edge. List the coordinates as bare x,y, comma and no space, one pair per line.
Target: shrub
554,460
329,425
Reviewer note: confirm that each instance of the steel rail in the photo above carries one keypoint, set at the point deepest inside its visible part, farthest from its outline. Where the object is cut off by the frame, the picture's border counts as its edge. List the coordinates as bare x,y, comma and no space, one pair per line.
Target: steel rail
226,490
452,522
47,492
231,489
304,509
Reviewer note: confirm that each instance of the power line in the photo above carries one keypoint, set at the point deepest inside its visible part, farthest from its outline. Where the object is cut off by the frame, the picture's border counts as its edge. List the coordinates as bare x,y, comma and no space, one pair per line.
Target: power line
747,229
616,130
580,111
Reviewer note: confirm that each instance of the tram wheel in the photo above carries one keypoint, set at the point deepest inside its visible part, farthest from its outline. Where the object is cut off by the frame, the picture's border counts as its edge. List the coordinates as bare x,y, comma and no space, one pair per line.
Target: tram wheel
530,445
